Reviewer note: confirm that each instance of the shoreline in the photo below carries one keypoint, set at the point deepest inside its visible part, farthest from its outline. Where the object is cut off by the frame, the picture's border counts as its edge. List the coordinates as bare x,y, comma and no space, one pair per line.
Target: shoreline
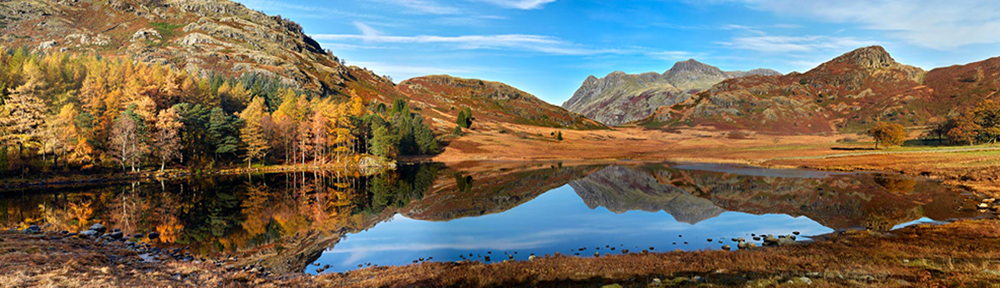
945,254
82,179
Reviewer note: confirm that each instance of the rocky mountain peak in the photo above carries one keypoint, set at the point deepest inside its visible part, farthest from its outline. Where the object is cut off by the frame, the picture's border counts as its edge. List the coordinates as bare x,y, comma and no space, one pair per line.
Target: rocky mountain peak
871,57
692,65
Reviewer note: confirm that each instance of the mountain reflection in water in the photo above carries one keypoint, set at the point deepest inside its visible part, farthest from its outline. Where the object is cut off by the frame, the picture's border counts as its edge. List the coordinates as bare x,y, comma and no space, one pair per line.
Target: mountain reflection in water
291,220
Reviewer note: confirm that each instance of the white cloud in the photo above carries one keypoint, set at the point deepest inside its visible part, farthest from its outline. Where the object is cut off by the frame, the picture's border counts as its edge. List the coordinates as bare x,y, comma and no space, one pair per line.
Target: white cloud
938,24
520,4
786,44
367,30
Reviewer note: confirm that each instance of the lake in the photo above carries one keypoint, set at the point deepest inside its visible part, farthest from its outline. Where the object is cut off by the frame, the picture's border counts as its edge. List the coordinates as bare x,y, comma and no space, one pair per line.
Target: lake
488,212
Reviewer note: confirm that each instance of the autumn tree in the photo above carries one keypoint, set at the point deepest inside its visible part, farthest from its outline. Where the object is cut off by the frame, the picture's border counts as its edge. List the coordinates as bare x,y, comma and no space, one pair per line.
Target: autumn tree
889,134
252,134
319,136
120,110
125,140
61,136
167,140
24,114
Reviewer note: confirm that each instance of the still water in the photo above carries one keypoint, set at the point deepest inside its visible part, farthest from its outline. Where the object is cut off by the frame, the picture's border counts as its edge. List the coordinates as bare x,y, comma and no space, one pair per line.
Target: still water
488,212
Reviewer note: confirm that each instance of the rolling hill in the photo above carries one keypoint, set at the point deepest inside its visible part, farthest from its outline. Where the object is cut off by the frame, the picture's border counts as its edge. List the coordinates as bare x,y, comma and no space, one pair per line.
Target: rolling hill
490,101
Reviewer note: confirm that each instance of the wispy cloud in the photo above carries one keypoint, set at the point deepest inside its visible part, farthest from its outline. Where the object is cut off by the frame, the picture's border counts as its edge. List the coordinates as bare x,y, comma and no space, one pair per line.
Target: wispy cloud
521,42
312,11
519,4
937,24
424,6
408,70
671,55
785,44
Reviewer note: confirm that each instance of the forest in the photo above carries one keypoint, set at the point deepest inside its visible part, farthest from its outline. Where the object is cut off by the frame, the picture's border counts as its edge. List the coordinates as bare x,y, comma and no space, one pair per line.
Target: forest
61,112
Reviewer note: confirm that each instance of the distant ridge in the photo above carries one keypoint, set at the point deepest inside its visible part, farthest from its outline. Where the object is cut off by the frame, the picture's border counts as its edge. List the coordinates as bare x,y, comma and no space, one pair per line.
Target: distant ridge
620,98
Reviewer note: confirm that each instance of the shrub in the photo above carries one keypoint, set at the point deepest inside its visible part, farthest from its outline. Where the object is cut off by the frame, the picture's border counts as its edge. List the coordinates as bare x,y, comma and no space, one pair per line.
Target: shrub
739,135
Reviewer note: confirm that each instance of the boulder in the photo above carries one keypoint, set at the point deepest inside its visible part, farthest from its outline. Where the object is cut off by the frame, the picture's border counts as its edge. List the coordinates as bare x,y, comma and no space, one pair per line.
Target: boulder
99,228
88,234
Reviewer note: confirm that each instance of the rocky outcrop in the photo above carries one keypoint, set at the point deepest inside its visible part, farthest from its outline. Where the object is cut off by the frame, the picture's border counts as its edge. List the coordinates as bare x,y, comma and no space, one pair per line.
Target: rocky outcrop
217,37
621,98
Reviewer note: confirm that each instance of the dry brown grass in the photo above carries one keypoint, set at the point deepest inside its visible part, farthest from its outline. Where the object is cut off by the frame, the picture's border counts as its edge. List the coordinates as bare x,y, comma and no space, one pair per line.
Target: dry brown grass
977,170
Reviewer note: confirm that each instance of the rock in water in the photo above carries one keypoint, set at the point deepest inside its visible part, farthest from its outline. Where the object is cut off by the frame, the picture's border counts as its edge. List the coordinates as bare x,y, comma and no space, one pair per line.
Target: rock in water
153,235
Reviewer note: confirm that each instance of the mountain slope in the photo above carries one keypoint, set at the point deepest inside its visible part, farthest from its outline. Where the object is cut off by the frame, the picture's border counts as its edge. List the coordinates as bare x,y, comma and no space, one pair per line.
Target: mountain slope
490,101
620,98
212,36
224,38
847,93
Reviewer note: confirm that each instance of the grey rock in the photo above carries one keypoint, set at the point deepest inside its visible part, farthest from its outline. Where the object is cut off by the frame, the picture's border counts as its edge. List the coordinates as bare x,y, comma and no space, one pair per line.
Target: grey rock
88,234
33,229
99,228
47,45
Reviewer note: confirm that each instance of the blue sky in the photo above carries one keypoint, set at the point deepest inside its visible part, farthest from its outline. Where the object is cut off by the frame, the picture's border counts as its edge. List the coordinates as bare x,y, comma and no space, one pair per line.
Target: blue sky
548,47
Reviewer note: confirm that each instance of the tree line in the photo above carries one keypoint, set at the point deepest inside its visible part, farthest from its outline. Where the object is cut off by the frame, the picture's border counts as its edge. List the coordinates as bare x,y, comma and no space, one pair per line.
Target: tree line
977,124
85,111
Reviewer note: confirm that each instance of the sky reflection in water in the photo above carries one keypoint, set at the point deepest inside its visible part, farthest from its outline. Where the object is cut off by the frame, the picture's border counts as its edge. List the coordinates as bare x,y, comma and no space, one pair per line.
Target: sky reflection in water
557,221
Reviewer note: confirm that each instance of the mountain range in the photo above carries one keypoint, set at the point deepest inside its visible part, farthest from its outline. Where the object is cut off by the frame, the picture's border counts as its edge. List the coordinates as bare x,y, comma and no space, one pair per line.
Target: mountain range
846,94
620,98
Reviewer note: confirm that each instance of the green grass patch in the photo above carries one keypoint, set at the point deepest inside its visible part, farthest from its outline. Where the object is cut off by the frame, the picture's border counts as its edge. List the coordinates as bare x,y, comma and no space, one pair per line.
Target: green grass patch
166,30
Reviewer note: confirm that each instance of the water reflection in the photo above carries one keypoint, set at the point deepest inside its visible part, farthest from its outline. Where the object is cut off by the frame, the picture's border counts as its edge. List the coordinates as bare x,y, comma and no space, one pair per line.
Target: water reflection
471,212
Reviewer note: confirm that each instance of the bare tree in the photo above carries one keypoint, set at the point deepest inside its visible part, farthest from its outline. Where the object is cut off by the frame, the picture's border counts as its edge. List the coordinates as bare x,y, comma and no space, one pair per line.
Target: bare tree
167,140
123,139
